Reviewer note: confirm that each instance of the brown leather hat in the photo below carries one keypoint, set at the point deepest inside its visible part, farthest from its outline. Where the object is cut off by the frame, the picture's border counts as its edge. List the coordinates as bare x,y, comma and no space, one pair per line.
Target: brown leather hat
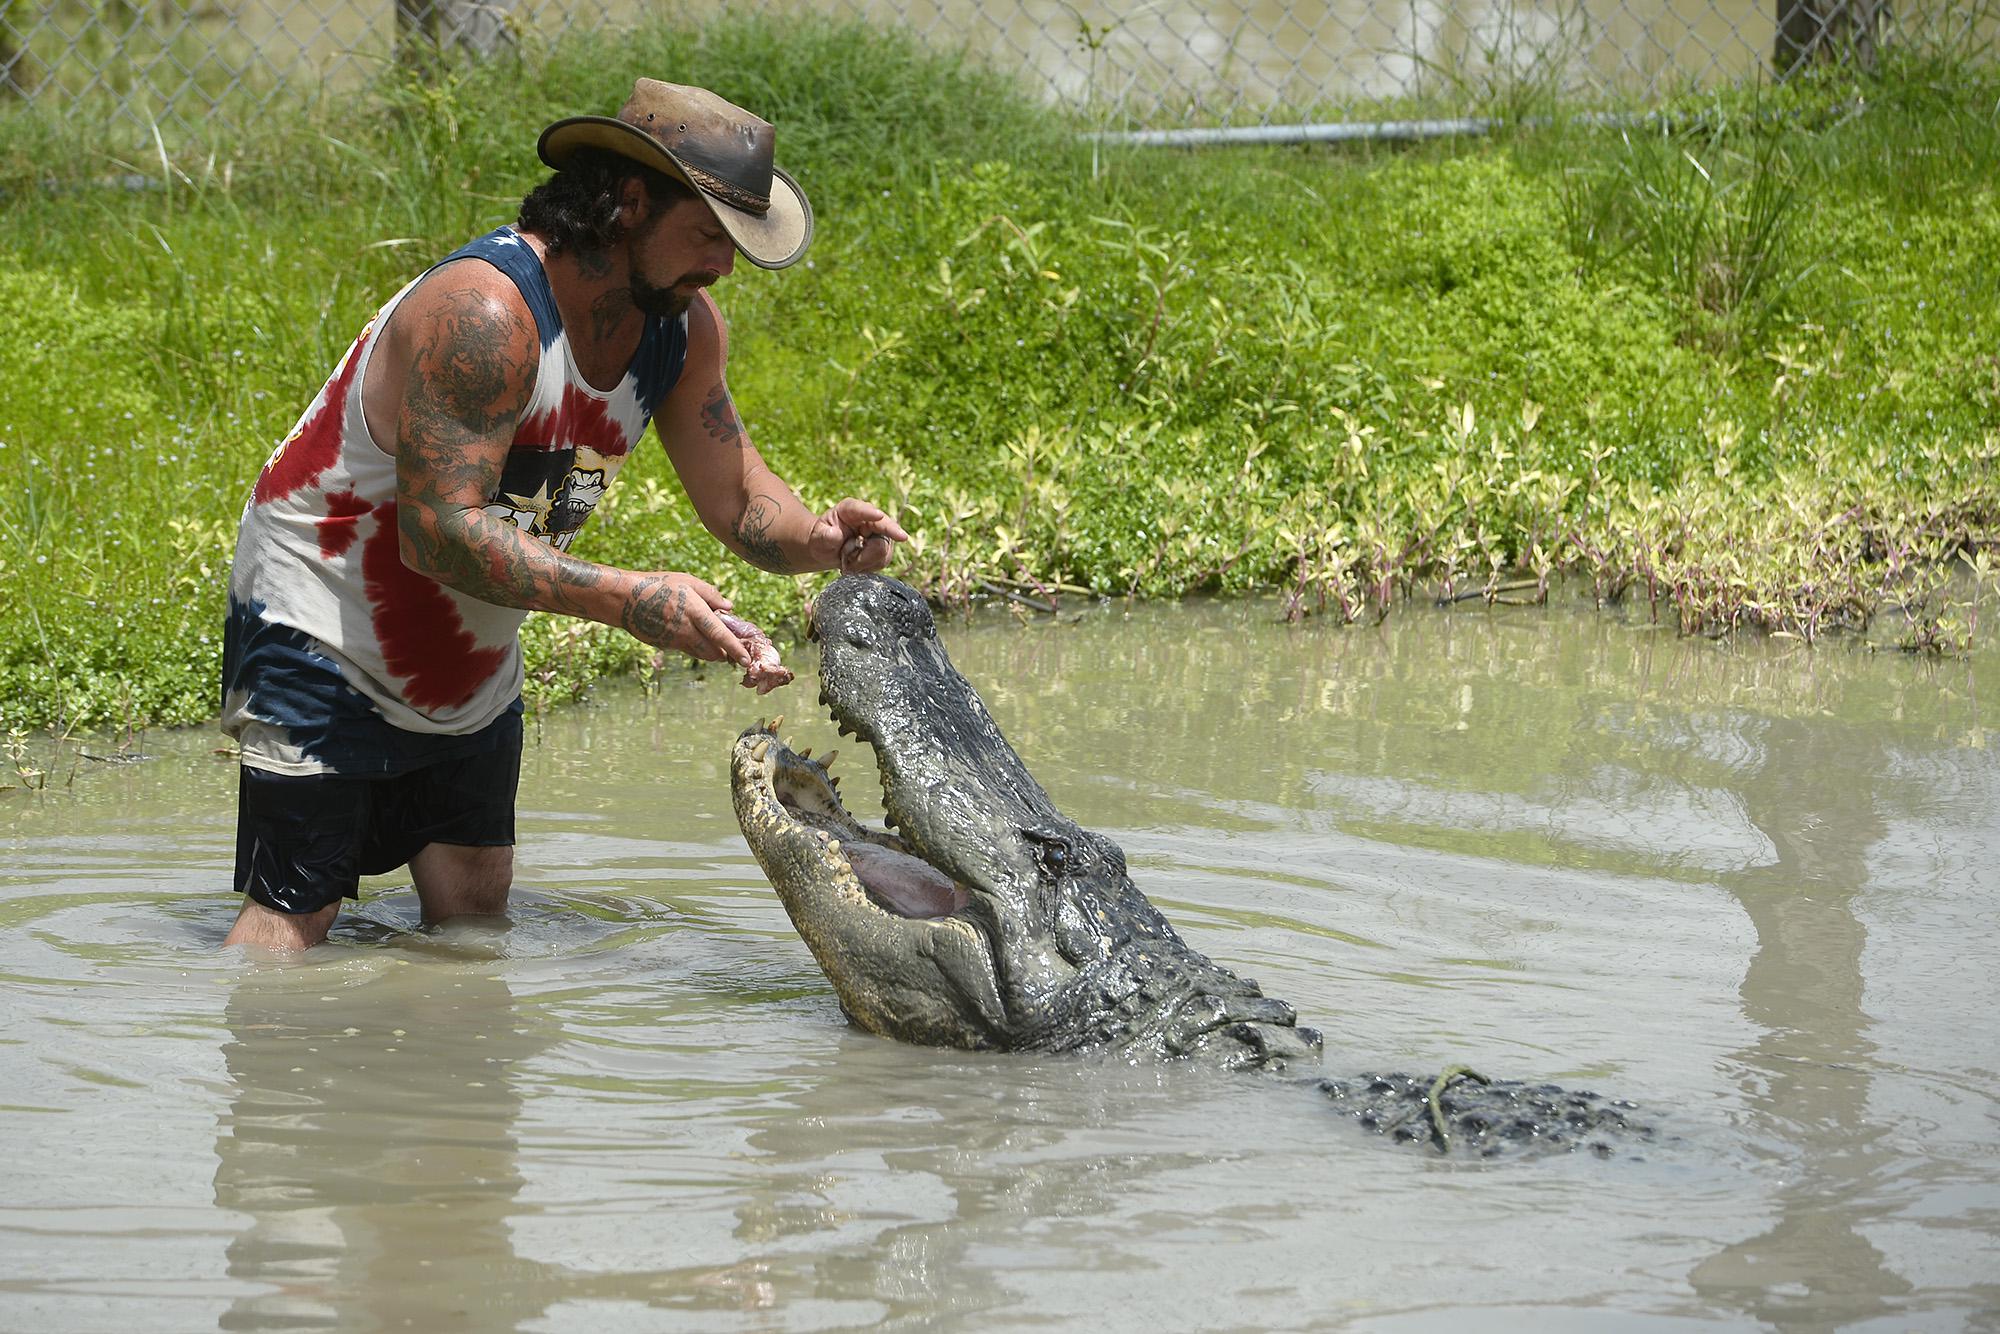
720,149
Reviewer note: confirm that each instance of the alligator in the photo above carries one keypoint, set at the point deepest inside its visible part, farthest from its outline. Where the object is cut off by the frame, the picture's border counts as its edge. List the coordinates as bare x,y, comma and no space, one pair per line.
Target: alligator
980,917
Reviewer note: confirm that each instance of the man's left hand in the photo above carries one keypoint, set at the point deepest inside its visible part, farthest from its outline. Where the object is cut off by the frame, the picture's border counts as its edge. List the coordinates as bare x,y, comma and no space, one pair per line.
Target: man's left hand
856,536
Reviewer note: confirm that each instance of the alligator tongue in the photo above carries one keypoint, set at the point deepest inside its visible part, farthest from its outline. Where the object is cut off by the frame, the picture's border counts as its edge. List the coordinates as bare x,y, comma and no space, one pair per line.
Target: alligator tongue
905,885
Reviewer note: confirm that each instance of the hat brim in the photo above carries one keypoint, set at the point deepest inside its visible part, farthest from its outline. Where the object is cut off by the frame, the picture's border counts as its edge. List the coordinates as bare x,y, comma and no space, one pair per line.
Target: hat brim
770,240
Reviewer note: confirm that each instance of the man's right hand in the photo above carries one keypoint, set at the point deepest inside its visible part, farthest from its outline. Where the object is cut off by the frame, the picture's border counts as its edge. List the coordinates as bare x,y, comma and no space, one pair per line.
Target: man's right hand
677,611
767,671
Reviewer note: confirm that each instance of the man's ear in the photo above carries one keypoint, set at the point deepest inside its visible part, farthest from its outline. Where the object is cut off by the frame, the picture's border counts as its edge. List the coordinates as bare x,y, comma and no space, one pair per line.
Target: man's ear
635,206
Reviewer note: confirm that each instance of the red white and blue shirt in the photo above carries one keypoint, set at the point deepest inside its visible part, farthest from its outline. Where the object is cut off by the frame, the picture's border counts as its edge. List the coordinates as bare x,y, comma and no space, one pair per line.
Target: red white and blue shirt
338,658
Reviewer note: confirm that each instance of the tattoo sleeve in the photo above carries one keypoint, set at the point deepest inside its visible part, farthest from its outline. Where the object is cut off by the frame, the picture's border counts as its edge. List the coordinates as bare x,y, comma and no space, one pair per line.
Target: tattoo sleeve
470,374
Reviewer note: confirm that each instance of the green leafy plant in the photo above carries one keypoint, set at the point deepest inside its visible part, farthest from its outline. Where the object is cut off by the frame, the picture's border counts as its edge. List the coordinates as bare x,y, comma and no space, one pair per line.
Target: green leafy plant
1732,371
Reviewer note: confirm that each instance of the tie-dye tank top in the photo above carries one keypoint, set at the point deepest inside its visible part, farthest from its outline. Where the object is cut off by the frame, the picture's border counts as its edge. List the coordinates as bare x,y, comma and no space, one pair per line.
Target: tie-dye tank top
339,658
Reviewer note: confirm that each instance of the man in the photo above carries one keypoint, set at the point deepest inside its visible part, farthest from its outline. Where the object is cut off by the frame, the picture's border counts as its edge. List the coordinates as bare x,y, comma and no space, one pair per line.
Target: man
426,502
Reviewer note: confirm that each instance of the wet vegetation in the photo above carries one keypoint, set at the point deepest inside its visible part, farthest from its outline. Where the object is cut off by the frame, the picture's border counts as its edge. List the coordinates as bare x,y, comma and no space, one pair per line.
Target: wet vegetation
1728,360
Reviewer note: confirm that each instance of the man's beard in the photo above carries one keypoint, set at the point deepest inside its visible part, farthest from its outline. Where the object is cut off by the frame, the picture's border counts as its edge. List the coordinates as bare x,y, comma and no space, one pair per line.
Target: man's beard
665,303
661,303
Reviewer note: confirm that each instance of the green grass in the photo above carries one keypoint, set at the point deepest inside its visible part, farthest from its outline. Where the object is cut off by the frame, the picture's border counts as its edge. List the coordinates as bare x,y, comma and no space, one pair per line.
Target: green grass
1734,361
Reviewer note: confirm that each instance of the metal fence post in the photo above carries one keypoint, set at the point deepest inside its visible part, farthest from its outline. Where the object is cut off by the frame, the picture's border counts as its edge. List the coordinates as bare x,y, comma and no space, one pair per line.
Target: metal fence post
1827,31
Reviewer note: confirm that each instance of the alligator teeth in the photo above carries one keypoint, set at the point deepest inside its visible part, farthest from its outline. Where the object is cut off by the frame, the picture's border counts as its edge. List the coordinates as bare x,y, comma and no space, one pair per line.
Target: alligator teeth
760,750
826,761
844,866
773,726
833,845
821,835
806,754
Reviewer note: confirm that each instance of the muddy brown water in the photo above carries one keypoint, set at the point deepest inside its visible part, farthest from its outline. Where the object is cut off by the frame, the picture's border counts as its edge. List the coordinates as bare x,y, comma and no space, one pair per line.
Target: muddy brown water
1755,886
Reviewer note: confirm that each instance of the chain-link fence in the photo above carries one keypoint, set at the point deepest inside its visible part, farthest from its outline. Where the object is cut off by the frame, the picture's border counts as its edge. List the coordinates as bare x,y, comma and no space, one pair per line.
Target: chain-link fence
1158,63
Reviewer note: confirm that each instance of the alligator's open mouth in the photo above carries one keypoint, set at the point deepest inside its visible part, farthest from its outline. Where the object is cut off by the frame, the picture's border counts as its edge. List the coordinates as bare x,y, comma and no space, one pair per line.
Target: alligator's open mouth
907,948
800,807
963,920
937,927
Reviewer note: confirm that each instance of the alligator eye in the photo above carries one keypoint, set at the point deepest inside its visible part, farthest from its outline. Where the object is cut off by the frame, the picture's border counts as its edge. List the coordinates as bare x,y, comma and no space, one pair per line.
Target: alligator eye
1053,854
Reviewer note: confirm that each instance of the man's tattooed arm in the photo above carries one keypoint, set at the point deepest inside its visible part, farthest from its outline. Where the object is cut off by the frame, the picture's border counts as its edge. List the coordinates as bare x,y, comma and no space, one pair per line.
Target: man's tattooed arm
738,497
471,360
746,505
471,366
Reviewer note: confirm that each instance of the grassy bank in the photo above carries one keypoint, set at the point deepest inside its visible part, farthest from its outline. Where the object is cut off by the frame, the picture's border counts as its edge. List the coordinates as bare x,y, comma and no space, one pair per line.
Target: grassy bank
1736,363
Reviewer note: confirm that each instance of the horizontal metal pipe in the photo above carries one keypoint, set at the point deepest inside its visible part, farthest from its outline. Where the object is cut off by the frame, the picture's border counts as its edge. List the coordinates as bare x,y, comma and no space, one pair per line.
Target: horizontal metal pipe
1357,131
1297,134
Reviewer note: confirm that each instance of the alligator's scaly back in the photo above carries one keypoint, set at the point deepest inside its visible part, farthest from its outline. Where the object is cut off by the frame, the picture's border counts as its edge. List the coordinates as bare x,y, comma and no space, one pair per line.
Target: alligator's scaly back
982,917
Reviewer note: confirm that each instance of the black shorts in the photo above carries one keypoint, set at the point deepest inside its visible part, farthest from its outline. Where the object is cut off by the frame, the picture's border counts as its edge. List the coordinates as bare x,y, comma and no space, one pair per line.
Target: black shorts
304,841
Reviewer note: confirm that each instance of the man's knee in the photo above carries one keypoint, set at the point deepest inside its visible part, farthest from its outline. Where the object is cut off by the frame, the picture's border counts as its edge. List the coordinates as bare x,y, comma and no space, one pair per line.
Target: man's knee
454,880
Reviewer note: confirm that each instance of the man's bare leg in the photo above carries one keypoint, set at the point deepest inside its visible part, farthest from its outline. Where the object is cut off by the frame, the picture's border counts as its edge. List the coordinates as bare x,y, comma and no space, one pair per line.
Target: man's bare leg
454,880
284,932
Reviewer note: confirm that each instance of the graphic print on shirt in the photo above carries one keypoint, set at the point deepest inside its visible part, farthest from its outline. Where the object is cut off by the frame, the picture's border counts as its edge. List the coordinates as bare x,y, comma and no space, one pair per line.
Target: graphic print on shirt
546,494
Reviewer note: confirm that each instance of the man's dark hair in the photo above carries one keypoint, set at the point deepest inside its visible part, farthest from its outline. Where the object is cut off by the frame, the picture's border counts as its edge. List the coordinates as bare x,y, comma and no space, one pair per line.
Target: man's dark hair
578,206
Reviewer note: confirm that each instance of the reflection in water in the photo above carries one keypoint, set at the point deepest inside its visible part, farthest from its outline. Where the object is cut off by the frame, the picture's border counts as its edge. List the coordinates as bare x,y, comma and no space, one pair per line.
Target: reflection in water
370,1139
1813,794
909,1267
1004,1188
999,1165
